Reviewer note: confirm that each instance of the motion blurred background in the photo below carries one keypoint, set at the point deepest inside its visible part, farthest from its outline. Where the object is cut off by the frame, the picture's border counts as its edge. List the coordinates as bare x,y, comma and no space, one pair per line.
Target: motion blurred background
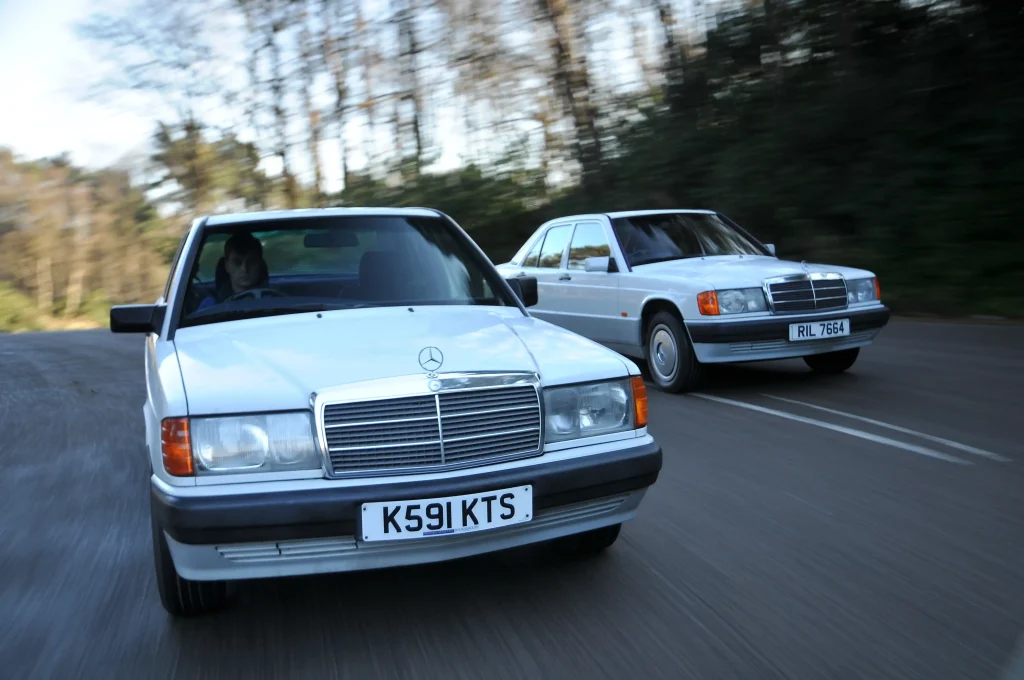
884,134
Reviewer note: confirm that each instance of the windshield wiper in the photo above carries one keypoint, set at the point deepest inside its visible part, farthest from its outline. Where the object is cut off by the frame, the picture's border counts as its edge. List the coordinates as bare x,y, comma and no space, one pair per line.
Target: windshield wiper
257,312
666,258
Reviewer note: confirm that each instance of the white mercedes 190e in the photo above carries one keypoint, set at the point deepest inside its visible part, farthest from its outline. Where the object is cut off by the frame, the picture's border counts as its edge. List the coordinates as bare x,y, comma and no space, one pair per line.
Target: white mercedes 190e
342,389
683,288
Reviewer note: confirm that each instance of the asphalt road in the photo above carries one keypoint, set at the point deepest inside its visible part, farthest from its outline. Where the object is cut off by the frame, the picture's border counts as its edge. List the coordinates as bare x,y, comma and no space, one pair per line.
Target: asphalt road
786,542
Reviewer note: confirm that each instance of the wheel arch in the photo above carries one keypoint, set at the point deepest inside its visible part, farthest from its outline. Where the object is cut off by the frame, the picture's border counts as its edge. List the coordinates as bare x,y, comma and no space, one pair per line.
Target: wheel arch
651,307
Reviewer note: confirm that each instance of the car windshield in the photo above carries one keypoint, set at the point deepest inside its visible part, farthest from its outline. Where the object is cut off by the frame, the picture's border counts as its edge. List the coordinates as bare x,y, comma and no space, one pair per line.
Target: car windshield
674,236
269,268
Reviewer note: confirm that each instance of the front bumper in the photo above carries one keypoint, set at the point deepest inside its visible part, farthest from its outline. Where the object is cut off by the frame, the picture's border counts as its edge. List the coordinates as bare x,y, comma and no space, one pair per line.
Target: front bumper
316,531
768,338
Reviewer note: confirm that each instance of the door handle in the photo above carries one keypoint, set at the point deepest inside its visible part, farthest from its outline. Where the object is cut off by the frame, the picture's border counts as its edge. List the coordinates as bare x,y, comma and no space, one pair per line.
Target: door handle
565,277
520,275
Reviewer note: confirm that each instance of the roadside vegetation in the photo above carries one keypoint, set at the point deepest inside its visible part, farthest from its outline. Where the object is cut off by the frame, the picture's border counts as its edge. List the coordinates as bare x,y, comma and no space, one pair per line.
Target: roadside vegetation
873,133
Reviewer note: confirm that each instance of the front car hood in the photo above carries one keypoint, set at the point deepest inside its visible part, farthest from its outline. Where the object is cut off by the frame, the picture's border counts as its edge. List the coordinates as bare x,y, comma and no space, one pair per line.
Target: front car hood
739,271
276,363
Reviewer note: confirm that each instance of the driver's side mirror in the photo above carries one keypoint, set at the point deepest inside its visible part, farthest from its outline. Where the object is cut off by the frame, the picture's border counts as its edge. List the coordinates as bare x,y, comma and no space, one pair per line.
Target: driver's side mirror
137,318
770,247
525,288
600,264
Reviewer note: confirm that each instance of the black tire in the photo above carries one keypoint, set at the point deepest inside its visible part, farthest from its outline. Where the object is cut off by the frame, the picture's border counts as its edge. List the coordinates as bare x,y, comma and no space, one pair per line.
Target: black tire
832,362
591,542
181,597
670,358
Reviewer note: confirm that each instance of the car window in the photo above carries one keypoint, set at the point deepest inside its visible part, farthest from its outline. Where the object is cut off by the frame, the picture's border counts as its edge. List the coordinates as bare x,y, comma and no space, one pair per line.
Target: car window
174,265
674,236
588,240
554,246
533,258
335,262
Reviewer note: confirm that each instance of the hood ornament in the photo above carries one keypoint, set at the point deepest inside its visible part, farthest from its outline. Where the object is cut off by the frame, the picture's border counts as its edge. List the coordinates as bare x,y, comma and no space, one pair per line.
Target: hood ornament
431,359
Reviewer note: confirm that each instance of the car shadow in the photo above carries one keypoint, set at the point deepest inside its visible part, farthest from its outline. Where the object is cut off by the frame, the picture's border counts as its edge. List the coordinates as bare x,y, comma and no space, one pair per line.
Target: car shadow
404,603
784,374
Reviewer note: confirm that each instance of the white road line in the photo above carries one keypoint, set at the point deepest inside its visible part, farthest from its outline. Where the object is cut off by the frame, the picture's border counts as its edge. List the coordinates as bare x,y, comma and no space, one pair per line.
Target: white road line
938,440
913,448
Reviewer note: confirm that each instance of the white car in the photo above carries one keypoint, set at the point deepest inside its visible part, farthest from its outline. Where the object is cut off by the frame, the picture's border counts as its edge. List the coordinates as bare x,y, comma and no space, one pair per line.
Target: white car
344,389
679,289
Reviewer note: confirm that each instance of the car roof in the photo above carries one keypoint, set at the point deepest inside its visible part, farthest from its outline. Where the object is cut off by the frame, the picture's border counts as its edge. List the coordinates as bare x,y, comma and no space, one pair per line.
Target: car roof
270,215
627,213
638,213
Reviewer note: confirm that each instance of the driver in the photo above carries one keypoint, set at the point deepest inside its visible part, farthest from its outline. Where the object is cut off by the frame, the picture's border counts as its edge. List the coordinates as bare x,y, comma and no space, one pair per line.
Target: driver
243,263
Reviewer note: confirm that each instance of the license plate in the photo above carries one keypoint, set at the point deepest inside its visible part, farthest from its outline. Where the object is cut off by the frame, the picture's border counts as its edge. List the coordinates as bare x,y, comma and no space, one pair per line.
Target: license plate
817,330
446,516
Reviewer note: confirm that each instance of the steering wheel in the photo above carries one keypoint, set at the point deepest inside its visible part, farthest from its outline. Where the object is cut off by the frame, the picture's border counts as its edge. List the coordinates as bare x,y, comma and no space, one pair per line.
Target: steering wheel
256,293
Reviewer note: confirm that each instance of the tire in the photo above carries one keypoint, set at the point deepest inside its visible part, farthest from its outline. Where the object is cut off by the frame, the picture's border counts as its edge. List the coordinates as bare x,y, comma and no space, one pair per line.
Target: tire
181,597
670,358
591,542
832,362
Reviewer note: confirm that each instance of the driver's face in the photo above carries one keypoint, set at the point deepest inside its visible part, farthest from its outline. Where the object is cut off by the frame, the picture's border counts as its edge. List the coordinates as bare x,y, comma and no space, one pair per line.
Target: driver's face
243,270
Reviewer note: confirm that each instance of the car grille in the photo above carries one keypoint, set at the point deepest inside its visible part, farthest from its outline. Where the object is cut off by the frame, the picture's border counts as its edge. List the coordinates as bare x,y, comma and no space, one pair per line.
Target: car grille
807,294
457,428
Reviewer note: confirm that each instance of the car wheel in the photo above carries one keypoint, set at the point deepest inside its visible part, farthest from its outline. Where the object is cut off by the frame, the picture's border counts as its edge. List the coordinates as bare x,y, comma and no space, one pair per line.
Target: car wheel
179,596
832,362
591,542
670,357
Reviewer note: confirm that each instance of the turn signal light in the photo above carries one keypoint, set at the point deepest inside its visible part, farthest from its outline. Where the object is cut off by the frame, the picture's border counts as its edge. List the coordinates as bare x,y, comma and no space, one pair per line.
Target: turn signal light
707,303
639,402
176,447
878,290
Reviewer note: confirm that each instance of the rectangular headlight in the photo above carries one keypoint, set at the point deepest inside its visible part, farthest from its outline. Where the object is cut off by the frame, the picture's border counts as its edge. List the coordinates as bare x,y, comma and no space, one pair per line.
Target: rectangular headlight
861,290
741,300
254,443
588,410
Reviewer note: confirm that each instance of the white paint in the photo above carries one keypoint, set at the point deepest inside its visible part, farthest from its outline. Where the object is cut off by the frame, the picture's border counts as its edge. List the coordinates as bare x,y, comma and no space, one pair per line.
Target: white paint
860,434
938,440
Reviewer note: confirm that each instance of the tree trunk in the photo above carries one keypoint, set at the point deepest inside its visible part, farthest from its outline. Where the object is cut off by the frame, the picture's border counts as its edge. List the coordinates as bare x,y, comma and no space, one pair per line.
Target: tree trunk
279,23
572,82
44,284
309,109
335,51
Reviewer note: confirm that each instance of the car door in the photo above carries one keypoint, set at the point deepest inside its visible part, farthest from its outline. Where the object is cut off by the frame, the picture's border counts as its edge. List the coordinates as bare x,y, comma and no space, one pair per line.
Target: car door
586,302
545,262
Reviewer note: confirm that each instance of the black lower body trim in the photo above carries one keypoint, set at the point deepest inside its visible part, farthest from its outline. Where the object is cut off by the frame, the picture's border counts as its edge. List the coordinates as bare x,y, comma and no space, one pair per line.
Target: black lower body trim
322,513
777,328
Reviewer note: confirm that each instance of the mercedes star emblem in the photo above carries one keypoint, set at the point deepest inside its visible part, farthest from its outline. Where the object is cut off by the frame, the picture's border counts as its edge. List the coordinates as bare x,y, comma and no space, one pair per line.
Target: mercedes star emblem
431,359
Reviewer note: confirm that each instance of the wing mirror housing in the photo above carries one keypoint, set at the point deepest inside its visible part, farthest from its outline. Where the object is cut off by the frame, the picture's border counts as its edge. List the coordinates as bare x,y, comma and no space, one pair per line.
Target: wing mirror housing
525,288
137,318
600,264
770,247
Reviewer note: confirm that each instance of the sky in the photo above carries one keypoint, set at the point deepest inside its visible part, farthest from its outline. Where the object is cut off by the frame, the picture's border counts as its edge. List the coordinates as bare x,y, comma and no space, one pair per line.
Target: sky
45,71
42,64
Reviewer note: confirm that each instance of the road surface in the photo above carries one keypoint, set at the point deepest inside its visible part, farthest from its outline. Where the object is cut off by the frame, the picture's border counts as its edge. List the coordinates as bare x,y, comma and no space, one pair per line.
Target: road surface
783,540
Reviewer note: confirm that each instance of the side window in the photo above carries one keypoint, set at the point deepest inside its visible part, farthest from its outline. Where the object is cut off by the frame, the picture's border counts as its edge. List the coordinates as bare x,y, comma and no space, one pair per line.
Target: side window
588,240
533,258
174,264
554,245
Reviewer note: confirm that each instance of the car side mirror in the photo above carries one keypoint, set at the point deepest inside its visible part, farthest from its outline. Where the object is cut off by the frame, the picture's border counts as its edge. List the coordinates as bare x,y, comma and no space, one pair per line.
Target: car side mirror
770,247
137,318
600,264
525,288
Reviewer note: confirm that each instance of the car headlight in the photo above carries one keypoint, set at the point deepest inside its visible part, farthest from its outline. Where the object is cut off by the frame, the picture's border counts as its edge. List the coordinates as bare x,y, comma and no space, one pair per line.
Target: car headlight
254,443
735,301
863,290
594,409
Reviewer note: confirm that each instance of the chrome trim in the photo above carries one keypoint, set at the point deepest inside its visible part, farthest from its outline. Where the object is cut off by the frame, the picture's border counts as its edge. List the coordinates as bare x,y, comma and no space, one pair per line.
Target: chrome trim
809,277
440,422
418,385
